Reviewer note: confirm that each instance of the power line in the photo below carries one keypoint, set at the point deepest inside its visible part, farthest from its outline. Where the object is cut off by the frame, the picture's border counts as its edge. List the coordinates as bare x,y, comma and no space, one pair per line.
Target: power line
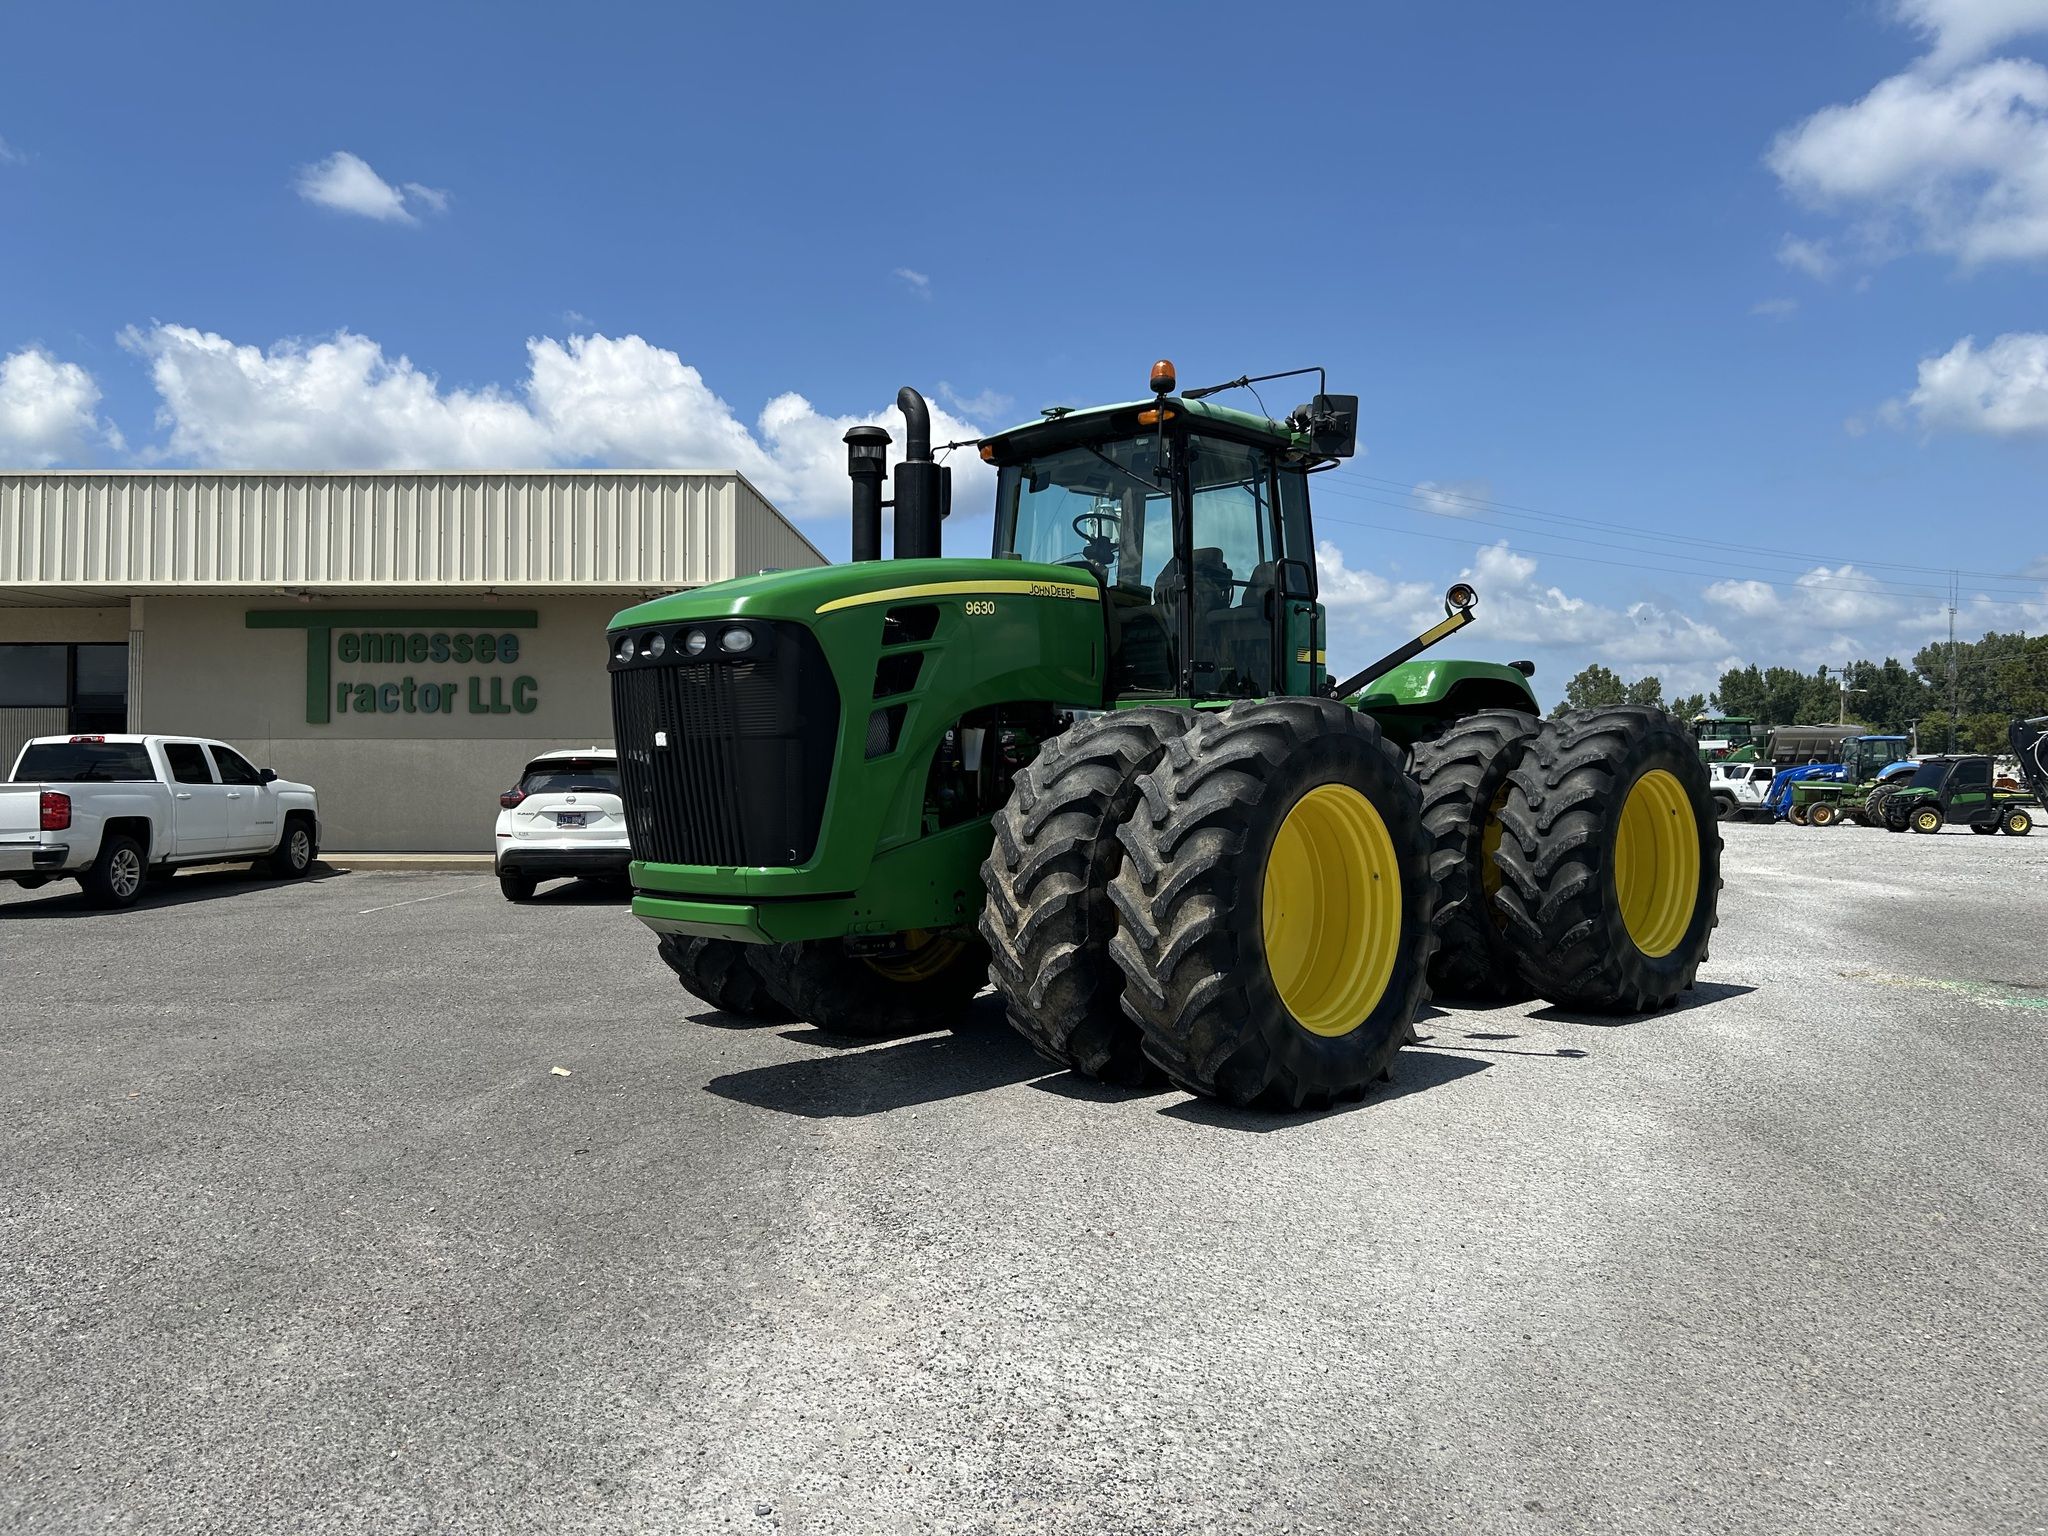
1626,565
1506,509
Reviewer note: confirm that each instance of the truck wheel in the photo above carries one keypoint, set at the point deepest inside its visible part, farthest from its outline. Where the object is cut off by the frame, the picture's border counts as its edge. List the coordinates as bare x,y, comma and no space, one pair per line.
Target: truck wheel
1612,866
1464,778
2017,822
295,851
1822,815
1725,808
117,875
1273,910
1925,818
927,987
718,972
1048,917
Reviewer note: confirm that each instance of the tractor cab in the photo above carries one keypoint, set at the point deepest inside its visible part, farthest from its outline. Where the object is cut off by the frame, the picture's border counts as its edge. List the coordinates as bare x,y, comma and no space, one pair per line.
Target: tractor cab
1194,519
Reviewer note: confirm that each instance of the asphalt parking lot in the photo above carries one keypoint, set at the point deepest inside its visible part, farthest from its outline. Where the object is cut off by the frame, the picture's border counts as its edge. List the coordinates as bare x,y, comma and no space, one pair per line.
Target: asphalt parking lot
375,1203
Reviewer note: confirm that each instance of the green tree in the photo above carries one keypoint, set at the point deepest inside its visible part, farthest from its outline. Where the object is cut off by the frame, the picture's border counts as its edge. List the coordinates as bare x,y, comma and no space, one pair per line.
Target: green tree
1648,691
1741,692
1686,705
1596,687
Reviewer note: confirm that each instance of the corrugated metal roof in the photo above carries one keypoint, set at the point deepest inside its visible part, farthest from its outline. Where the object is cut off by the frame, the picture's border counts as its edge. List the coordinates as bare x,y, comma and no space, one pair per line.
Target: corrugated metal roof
77,535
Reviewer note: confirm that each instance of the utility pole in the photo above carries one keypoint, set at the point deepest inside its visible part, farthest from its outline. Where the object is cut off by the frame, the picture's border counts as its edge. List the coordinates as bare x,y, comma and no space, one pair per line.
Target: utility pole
1955,582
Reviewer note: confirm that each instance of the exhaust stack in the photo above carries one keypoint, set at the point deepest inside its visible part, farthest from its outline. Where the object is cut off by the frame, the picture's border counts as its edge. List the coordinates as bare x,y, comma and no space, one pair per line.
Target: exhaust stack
923,489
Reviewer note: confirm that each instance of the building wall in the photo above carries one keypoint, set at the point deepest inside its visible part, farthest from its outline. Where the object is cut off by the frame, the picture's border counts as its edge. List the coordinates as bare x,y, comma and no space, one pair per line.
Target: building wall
644,528
397,780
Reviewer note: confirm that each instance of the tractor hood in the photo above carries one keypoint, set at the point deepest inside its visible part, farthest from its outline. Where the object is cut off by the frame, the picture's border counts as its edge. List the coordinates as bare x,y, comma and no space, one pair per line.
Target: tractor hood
807,594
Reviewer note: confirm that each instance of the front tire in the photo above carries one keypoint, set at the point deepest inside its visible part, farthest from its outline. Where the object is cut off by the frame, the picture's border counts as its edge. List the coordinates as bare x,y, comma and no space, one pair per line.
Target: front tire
1822,815
1611,860
721,972
1463,774
1274,906
1925,818
1048,918
118,873
295,851
2017,822
927,987
1797,816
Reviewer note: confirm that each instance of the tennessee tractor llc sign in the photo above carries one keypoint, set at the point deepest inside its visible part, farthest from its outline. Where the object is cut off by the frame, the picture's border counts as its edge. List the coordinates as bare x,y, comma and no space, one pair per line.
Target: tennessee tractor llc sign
352,656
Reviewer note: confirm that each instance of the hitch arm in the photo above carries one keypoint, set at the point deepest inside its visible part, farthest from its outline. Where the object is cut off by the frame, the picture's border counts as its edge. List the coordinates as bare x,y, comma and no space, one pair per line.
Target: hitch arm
1459,602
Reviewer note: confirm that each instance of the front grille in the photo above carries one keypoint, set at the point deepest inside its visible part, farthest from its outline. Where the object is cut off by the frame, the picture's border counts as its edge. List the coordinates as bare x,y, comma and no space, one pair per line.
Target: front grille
727,761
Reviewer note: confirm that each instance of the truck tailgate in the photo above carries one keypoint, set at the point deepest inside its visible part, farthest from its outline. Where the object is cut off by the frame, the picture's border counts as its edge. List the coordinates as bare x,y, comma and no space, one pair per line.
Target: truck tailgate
21,812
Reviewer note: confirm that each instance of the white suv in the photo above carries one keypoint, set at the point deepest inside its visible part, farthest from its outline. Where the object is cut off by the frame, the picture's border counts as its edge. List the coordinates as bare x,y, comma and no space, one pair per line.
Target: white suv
564,817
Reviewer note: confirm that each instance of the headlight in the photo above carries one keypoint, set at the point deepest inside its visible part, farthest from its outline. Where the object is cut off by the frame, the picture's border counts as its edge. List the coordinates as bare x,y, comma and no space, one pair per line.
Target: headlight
737,640
656,644
625,651
695,641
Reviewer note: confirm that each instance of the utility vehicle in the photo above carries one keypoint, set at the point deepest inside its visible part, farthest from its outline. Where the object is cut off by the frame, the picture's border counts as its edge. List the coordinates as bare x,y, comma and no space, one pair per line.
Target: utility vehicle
1107,768
1959,788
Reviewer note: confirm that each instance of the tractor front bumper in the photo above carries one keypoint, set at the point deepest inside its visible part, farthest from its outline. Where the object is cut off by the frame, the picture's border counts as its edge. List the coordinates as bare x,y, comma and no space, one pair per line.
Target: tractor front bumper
760,922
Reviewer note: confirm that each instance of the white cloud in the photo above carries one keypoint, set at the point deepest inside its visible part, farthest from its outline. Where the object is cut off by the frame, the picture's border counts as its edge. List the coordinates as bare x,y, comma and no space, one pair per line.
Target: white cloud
435,198
1998,391
47,412
1452,498
342,402
1809,256
917,282
1959,31
345,183
1959,161
987,406
1836,613
9,155
1775,309
1519,614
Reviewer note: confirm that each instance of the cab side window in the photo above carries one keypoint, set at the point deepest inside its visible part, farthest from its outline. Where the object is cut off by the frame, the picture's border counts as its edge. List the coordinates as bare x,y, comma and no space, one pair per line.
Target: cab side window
188,762
1971,775
234,768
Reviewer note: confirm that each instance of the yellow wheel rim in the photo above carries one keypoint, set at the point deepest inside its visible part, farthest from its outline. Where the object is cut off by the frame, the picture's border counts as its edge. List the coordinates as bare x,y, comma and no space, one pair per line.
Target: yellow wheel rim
1927,821
1331,912
1657,863
925,954
1489,845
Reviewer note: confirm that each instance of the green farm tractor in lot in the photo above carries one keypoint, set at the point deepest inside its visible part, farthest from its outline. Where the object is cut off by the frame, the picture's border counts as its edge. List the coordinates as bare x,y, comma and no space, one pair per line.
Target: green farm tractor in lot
1872,768
1107,769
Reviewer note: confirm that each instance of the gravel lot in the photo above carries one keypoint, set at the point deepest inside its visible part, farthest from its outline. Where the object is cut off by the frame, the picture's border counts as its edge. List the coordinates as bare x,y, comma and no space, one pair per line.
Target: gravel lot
301,1229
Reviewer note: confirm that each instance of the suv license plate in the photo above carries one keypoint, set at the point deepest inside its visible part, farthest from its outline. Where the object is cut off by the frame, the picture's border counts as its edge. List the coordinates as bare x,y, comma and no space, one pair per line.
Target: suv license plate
569,818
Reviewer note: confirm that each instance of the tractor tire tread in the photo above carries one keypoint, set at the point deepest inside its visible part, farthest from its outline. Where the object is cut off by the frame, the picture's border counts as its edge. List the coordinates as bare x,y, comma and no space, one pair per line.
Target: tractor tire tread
719,972
1461,771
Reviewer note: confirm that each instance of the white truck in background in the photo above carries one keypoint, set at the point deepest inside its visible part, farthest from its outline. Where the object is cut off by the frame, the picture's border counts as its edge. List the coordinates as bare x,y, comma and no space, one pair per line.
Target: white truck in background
1739,789
111,812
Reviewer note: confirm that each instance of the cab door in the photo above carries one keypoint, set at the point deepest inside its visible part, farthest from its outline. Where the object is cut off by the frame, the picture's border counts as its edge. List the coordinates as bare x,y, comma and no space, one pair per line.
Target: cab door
252,804
1969,790
199,804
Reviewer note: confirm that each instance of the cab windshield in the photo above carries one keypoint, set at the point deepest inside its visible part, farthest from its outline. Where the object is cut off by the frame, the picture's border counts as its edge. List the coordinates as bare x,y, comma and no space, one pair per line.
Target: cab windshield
1108,508
1929,776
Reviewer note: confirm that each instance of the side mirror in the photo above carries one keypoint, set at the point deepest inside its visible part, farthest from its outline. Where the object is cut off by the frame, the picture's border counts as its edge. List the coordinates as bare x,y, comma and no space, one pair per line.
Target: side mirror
268,775
1333,425
1296,578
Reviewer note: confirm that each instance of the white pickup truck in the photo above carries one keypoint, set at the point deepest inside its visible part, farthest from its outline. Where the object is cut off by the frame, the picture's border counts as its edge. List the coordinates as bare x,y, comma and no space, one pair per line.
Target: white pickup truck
112,811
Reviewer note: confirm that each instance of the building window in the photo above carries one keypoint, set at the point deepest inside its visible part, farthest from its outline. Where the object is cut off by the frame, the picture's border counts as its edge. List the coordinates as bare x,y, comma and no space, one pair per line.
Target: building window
88,682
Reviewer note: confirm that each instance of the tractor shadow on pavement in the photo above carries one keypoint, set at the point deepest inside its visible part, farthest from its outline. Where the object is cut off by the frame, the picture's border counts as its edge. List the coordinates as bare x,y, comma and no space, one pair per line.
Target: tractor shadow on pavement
1703,994
864,1077
1414,1072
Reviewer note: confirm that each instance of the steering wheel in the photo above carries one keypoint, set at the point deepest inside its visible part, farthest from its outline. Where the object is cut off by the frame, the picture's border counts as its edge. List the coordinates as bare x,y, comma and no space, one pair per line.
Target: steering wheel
1097,525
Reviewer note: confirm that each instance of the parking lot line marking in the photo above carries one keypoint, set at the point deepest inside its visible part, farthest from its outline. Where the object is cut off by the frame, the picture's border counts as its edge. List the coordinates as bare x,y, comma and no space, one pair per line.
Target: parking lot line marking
413,903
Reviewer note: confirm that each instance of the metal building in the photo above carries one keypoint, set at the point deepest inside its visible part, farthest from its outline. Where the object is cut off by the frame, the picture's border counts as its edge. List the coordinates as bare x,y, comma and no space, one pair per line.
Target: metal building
211,603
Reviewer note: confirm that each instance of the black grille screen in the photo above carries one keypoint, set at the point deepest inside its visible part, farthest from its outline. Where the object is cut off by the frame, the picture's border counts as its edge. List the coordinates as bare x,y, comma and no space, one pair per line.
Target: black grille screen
727,762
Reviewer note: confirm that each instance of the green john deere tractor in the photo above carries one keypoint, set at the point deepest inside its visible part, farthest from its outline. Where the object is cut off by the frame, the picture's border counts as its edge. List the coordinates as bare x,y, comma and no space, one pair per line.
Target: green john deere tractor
1107,769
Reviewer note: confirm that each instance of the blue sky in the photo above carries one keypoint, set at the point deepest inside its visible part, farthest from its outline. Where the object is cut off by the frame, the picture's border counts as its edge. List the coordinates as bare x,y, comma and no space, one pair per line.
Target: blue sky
1765,277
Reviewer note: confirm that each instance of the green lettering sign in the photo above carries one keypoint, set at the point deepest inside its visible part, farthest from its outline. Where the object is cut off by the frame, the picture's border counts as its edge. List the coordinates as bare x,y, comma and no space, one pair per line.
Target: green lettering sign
367,637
